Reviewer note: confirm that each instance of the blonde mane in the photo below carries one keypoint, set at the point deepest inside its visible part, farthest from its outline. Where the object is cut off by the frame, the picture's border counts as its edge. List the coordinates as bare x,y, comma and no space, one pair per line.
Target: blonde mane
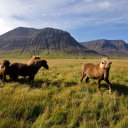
104,63
32,61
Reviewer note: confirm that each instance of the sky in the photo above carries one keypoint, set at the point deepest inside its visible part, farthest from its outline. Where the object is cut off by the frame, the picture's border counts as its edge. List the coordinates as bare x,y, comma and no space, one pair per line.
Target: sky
85,20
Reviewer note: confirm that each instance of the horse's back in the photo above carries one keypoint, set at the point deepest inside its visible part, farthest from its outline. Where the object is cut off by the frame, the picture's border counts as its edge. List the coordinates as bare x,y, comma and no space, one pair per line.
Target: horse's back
88,66
18,65
90,70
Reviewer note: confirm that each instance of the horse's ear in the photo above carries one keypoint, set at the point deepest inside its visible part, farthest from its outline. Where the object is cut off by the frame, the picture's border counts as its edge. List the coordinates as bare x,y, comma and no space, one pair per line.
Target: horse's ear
110,63
44,61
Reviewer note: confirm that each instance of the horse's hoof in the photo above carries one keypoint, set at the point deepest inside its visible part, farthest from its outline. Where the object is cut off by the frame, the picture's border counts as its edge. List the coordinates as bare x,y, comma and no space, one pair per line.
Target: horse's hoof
110,92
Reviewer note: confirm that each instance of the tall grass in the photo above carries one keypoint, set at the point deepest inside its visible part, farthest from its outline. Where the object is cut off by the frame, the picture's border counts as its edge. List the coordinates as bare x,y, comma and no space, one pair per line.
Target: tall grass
57,100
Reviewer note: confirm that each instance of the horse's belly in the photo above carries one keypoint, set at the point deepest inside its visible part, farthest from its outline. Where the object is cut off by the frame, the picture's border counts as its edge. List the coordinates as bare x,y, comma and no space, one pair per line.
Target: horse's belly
90,74
94,75
23,73
26,73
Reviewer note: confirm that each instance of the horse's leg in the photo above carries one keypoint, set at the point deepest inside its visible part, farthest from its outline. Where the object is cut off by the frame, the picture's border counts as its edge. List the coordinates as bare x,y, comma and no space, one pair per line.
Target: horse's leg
110,86
31,78
82,76
14,77
87,79
10,77
4,77
98,86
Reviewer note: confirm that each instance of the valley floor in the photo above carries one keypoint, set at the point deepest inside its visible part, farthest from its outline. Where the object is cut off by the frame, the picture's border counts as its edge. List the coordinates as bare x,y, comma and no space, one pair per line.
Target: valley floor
57,100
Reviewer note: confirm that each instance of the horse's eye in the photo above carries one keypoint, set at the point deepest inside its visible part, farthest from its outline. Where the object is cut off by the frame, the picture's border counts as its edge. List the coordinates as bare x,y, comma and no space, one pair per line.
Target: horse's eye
102,62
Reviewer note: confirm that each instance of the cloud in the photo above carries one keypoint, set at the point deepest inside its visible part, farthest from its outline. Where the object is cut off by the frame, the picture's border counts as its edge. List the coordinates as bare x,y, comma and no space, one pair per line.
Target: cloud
60,14
44,14
88,0
104,4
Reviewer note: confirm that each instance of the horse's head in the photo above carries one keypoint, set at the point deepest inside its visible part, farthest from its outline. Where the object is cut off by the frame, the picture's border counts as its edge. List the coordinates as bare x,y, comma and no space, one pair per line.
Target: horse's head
44,64
5,63
40,62
105,65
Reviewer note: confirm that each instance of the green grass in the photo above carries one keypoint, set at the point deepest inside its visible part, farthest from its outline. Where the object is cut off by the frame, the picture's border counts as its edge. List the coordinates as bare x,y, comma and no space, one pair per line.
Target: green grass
57,100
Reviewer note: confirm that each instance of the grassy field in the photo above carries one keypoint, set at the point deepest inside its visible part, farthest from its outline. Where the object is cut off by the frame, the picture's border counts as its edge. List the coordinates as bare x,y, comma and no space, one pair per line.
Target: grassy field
57,100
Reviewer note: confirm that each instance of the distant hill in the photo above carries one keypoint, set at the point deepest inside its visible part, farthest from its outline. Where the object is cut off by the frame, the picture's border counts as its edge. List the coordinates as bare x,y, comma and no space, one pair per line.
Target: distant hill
111,48
45,42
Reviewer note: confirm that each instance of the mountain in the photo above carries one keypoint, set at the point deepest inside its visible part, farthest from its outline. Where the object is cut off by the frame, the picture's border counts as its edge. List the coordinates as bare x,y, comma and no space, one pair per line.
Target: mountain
45,42
111,48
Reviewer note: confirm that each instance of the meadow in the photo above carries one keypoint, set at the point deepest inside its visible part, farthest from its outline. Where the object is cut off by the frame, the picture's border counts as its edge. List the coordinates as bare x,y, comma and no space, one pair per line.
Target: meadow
57,100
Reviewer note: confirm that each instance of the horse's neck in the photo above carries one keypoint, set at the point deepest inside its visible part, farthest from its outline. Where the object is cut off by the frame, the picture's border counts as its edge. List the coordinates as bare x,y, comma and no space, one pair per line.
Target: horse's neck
38,68
7,68
99,69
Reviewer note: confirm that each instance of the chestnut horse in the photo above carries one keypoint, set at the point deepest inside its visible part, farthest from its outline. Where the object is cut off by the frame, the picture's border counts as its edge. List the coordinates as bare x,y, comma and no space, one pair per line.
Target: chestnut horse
99,72
4,69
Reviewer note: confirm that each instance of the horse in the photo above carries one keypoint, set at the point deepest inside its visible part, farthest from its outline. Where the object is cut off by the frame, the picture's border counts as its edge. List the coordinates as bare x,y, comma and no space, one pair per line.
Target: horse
0,70
1,75
5,69
99,72
29,70
30,62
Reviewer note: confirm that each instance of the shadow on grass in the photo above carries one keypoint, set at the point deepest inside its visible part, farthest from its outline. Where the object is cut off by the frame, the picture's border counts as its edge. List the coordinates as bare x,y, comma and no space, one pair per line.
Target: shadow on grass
59,83
1,86
69,84
35,84
120,88
38,83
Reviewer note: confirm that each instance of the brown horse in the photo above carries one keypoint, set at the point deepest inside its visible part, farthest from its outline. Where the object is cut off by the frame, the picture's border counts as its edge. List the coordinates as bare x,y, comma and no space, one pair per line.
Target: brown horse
28,70
5,69
99,72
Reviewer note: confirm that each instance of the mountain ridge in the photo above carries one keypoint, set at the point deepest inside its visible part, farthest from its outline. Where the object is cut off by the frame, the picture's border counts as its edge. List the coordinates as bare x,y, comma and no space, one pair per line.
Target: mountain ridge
115,48
45,42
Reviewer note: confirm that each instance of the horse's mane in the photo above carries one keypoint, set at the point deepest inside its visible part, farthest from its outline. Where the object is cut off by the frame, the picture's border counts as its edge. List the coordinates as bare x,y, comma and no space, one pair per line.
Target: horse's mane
103,61
32,61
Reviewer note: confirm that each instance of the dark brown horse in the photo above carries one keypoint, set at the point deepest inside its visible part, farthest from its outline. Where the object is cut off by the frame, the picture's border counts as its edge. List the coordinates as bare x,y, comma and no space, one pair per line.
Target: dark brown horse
28,70
99,72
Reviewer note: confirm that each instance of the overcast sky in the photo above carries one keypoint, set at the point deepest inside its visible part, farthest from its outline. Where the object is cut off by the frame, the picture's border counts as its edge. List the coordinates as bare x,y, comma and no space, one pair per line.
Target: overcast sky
85,20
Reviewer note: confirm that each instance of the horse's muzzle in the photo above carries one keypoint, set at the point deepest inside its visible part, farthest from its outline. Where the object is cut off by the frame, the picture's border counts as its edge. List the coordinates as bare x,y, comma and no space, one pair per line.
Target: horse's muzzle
2,66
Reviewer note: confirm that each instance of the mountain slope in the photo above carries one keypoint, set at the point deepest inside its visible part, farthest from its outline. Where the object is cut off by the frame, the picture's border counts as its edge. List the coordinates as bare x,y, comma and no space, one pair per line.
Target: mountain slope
111,48
45,42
